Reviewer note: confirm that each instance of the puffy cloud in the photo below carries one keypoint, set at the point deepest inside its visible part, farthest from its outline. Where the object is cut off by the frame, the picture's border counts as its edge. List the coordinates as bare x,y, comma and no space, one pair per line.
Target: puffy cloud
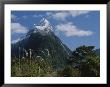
35,15
18,28
13,16
49,13
71,30
62,15
24,16
78,12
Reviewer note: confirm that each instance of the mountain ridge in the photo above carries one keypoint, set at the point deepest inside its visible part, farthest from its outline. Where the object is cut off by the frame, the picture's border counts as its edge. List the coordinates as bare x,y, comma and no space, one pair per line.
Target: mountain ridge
44,43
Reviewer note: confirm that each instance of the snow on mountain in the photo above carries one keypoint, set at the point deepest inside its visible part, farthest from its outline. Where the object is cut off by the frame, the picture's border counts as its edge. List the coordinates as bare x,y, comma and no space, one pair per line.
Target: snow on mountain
20,39
44,44
15,41
44,26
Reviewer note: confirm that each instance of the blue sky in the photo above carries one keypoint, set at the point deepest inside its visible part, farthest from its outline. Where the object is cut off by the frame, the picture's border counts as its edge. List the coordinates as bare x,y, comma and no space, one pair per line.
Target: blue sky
74,28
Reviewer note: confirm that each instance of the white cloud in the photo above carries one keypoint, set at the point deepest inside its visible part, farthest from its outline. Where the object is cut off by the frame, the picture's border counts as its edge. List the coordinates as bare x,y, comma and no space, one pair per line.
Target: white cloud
18,28
35,15
62,15
78,12
24,16
13,17
49,13
71,30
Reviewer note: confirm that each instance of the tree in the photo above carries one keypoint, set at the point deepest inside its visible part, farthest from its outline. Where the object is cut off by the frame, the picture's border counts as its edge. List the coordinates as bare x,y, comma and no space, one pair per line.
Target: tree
81,52
68,71
85,59
90,66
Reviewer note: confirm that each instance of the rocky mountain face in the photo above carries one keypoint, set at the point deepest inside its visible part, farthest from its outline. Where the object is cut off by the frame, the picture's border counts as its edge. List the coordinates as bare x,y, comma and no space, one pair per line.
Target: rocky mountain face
41,42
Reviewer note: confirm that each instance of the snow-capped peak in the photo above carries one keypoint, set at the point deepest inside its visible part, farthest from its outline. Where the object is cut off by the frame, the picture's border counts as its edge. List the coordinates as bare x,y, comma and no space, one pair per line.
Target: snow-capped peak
44,25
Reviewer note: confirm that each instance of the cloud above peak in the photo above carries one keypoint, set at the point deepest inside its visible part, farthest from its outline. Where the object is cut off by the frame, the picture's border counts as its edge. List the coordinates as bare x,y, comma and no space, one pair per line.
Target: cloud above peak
78,12
71,30
14,17
62,15
18,28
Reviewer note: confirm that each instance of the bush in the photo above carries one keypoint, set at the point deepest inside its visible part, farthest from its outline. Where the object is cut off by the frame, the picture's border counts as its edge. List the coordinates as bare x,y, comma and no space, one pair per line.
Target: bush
69,71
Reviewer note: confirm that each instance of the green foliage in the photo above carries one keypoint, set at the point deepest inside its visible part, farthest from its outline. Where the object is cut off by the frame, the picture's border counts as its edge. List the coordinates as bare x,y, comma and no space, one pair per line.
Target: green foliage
85,59
90,66
83,51
82,63
31,68
69,71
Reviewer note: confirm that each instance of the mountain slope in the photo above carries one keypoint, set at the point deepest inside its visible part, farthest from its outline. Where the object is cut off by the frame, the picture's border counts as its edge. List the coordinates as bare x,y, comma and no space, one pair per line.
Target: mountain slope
41,42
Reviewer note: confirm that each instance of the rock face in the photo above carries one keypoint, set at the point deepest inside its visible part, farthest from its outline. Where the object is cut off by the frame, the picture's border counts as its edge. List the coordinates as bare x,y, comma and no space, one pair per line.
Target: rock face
41,42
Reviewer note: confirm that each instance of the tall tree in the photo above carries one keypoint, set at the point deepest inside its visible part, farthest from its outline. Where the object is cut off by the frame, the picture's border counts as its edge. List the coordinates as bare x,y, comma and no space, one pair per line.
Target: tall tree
85,59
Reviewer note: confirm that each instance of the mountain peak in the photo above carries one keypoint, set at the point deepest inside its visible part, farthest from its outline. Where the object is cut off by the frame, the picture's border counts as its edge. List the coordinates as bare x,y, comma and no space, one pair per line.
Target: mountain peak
44,44
44,26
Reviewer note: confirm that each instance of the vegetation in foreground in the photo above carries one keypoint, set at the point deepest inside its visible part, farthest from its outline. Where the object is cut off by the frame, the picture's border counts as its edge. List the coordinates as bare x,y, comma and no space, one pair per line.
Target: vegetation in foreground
83,62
